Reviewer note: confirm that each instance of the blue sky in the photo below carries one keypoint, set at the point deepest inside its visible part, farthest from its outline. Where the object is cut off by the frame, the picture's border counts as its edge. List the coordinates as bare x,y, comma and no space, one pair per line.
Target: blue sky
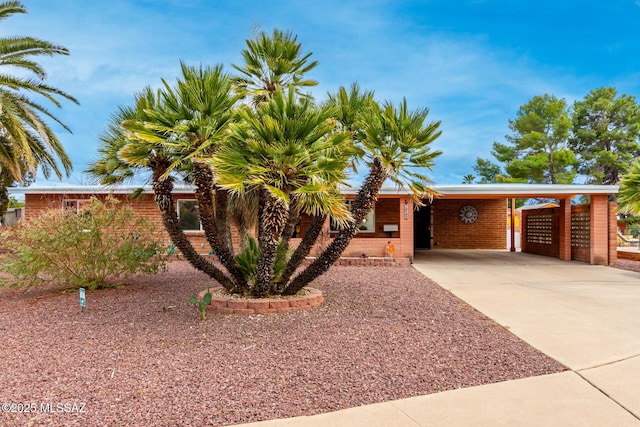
472,63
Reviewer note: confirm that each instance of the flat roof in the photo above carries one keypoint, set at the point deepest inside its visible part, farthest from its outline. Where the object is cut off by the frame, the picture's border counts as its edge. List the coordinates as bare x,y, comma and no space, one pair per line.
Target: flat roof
444,191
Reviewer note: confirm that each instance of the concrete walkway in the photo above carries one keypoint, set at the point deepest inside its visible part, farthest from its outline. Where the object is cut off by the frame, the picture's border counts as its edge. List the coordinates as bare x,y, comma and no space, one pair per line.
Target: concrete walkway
587,317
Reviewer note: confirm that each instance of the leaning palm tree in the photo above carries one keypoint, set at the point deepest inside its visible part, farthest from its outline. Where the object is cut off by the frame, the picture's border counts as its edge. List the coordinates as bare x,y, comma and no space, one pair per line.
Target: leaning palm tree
273,62
125,154
26,140
194,121
396,145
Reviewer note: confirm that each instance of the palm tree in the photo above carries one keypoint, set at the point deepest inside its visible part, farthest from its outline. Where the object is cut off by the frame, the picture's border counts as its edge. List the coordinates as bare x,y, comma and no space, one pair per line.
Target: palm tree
629,193
194,121
278,158
26,140
288,153
124,153
468,179
273,62
396,146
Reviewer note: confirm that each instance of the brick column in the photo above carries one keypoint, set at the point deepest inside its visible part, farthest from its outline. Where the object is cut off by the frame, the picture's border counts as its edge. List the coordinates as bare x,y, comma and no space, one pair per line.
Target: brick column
564,230
512,224
599,230
406,229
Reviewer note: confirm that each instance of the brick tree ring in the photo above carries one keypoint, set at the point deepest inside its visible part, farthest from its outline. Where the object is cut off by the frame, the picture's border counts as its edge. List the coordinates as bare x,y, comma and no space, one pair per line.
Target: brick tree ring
308,299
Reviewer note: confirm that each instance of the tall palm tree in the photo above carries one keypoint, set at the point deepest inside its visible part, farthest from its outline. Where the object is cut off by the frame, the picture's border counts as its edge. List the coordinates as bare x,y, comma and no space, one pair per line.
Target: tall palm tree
289,153
26,140
273,62
396,146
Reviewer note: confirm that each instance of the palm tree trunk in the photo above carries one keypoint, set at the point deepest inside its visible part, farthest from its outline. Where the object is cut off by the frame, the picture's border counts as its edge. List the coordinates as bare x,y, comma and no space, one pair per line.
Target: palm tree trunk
364,201
292,221
162,190
271,222
214,220
308,240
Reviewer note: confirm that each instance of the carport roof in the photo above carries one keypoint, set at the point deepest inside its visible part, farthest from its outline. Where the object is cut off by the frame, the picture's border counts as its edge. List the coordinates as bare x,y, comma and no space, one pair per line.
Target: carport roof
553,191
445,191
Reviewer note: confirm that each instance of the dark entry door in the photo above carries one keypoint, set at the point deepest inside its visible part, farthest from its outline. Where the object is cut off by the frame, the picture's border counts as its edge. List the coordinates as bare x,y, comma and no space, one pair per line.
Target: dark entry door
422,227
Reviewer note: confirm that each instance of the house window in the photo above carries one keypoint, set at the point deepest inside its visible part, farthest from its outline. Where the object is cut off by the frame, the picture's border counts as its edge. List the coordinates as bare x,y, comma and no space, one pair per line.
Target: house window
189,215
75,205
368,225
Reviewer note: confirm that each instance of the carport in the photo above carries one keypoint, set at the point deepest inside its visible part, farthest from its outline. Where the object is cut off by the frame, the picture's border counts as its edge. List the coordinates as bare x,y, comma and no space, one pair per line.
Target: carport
474,216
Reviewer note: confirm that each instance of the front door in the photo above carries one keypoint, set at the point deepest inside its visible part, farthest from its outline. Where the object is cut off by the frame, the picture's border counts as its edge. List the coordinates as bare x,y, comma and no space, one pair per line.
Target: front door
422,227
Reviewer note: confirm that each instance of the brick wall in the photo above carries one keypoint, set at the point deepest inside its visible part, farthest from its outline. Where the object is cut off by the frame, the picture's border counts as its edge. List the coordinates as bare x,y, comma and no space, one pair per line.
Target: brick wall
599,230
387,211
487,232
36,204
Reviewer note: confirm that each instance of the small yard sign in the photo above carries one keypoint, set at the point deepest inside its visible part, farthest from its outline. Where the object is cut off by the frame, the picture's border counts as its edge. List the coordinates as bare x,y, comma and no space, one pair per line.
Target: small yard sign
83,300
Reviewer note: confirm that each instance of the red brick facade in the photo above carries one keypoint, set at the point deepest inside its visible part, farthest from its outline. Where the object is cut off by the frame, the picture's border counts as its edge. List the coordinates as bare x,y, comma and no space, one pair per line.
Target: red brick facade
581,232
556,233
489,231
387,211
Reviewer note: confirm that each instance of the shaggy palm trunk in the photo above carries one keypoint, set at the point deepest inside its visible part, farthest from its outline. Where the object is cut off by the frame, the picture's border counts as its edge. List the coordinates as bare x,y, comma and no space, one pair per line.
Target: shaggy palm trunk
292,221
162,190
271,222
308,240
364,201
214,221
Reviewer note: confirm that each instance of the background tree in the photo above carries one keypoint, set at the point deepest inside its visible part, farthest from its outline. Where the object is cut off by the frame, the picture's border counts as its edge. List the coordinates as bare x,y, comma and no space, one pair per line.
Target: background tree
537,150
488,172
468,178
26,140
606,133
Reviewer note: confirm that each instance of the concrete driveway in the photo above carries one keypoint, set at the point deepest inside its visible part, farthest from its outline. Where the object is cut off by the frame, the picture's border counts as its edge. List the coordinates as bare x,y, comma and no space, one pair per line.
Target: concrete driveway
585,316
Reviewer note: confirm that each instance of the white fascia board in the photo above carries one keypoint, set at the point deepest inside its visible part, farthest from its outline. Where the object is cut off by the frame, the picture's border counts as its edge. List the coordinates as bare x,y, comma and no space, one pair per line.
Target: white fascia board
524,189
444,190
94,189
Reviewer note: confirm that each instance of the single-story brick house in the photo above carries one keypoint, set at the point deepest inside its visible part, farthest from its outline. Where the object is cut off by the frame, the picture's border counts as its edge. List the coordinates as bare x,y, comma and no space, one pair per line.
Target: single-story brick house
460,217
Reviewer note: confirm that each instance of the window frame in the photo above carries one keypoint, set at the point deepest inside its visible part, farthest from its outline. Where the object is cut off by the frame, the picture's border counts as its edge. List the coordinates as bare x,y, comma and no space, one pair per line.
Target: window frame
370,219
195,202
74,205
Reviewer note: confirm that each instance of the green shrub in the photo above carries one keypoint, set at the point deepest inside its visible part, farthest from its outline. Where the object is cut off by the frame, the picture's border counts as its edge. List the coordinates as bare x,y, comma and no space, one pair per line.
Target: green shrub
633,229
95,248
247,260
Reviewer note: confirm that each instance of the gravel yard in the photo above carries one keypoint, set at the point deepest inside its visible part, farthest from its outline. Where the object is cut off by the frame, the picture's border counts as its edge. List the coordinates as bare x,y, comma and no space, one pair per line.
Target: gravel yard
627,264
140,355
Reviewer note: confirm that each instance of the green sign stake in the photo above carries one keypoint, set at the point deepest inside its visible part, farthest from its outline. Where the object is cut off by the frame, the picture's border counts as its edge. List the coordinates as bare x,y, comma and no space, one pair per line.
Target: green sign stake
83,300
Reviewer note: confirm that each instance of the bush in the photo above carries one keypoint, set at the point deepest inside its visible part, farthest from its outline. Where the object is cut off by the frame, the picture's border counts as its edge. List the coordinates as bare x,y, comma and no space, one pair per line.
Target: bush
633,229
95,248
